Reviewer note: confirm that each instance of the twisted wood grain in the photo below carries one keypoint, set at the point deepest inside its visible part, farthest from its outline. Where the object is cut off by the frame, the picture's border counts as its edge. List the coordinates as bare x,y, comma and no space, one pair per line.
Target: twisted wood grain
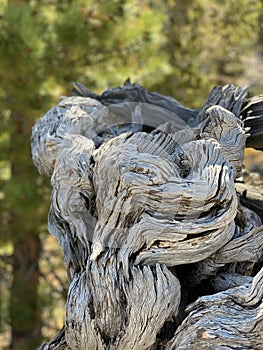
149,220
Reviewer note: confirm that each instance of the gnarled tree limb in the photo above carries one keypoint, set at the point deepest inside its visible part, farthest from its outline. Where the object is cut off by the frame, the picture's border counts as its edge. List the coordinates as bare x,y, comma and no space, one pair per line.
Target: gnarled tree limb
145,207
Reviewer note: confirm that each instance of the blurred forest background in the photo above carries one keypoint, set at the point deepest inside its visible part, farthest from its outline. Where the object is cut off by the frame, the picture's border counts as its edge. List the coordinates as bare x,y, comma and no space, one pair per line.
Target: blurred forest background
180,48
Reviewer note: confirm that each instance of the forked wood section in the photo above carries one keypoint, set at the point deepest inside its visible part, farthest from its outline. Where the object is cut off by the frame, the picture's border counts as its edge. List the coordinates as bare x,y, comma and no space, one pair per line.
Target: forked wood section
162,240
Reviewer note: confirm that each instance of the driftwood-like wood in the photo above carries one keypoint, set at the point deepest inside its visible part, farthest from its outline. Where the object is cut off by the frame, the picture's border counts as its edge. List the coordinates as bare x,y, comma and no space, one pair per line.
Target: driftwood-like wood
232,98
232,319
161,249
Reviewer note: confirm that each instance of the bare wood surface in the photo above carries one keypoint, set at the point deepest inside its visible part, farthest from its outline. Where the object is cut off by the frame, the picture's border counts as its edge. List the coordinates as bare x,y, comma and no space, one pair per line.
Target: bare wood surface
149,219
252,113
251,196
57,343
232,319
250,110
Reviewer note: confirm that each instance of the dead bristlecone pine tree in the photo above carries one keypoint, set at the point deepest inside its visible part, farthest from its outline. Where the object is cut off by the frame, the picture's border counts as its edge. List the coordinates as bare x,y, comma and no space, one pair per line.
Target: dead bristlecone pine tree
160,229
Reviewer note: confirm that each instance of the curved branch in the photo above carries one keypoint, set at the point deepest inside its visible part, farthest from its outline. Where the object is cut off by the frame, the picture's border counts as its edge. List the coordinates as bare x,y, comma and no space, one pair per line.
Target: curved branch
148,215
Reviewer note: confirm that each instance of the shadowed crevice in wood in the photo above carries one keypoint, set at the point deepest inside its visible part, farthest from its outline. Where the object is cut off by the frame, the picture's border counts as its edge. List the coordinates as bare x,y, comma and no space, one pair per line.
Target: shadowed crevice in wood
146,209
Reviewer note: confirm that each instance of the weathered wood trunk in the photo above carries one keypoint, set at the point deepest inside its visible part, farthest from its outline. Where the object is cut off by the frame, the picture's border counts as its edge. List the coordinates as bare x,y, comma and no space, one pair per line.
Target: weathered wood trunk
160,250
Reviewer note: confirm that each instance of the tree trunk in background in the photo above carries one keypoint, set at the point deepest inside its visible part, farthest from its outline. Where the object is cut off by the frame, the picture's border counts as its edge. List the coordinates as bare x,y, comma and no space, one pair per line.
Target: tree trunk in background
24,304
25,315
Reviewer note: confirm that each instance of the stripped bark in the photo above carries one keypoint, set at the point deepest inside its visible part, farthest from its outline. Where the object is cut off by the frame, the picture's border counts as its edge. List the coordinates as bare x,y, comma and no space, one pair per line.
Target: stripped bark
232,319
146,210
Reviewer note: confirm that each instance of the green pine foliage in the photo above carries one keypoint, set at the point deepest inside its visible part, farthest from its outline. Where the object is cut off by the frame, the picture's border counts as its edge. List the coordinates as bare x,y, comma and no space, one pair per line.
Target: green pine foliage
207,42
21,53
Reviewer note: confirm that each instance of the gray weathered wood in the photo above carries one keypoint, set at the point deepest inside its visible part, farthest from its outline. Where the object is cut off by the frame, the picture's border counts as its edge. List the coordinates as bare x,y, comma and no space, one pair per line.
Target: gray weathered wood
250,110
231,319
146,209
